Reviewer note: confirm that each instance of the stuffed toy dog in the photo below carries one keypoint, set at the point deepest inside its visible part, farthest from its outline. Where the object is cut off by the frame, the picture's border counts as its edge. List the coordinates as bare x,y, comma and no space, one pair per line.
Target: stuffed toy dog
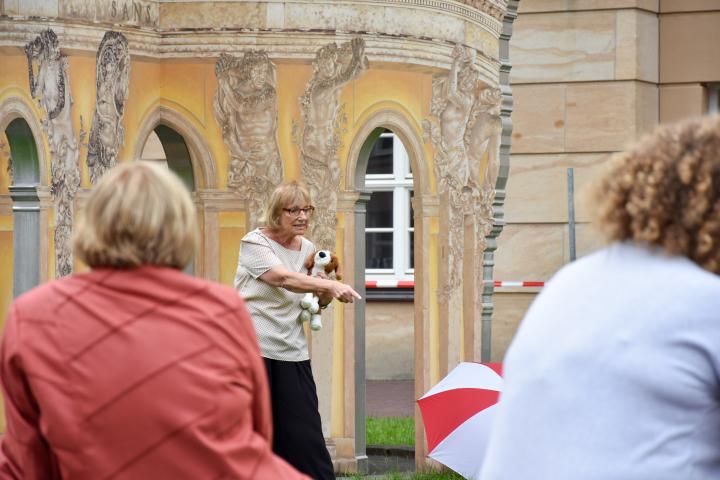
322,260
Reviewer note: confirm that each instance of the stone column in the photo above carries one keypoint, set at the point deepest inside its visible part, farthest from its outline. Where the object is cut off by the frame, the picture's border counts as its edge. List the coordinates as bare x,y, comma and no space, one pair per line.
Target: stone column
26,238
359,331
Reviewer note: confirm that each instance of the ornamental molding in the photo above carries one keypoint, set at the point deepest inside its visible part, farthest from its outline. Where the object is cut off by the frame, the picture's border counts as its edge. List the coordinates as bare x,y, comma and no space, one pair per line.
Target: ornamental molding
294,45
147,14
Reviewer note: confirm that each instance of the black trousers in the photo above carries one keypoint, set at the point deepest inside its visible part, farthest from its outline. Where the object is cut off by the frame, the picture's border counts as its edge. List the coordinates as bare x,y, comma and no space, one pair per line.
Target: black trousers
297,431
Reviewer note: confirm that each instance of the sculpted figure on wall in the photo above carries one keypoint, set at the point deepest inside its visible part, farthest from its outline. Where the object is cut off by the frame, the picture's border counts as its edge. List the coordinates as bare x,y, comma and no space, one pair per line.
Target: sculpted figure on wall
49,85
246,107
453,99
334,66
483,147
112,83
466,138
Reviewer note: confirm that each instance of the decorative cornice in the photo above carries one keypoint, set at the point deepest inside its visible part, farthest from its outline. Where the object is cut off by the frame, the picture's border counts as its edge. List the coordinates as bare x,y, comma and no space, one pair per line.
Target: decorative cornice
282,45
475,10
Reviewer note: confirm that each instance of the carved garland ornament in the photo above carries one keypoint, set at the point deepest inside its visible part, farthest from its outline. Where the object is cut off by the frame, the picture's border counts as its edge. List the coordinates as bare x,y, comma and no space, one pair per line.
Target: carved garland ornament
112,85
49,85
334,66
246,108
465,135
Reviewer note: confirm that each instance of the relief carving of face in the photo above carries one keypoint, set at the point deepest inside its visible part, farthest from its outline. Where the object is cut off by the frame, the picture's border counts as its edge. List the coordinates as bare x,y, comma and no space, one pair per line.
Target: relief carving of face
326,61
259,74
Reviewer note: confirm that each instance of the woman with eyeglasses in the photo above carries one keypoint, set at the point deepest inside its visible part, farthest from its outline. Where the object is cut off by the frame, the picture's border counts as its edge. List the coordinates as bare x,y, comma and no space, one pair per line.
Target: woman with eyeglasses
272,280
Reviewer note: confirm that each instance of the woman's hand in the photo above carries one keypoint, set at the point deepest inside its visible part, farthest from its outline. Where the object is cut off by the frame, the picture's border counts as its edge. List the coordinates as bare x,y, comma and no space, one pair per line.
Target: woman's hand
343,292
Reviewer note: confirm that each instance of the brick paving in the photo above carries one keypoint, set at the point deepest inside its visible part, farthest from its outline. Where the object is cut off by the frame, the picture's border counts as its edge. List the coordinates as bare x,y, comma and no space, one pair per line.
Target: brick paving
390,398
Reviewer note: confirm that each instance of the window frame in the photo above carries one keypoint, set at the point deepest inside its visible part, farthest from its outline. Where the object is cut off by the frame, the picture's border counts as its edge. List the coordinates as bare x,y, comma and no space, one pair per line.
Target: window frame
400,182
713,98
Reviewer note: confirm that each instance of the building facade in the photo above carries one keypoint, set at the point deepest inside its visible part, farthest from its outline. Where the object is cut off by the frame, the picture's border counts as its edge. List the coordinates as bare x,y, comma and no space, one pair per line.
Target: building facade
237,96
589,77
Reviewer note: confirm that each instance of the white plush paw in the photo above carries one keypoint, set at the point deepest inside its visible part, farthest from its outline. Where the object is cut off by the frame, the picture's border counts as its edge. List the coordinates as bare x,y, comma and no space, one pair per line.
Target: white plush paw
316,323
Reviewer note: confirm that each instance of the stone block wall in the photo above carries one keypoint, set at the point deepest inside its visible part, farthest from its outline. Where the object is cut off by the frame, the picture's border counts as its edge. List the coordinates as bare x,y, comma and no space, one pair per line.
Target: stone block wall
589,77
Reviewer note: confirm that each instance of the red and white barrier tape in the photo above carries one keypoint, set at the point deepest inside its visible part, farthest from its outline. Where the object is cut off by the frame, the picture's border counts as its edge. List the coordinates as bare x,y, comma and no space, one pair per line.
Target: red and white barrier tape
501,283
411,284
390,284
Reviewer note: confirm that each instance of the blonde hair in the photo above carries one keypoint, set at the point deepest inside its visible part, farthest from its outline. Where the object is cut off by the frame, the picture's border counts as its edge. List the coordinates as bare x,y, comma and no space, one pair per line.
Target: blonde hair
139,213
286,193
665,192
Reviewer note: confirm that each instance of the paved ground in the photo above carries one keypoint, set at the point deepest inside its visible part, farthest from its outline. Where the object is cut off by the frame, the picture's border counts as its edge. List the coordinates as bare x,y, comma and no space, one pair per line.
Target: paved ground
390,398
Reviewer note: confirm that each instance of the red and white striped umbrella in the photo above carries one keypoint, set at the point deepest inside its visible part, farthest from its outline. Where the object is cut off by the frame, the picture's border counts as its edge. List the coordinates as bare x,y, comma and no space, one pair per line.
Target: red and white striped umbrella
458,413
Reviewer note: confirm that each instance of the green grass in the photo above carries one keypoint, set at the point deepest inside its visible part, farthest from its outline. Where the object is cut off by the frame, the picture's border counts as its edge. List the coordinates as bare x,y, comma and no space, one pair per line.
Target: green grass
390,431
416,476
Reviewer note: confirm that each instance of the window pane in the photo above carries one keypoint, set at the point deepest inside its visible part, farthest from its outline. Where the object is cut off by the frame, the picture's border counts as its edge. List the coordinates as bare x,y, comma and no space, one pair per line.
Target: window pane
379,250
380,210
381,157
412,249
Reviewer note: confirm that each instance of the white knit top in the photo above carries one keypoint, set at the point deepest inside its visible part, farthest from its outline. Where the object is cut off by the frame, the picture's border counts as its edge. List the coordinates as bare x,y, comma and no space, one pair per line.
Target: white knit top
275,311
614,374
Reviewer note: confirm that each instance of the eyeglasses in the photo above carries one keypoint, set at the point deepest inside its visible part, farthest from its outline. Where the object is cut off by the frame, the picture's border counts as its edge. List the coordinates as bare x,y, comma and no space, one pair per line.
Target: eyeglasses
295,211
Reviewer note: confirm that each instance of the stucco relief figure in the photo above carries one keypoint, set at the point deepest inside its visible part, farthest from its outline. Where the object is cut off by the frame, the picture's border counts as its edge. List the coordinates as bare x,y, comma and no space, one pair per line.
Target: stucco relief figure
334,66
49,85
483,148
246,107
112,83
454,96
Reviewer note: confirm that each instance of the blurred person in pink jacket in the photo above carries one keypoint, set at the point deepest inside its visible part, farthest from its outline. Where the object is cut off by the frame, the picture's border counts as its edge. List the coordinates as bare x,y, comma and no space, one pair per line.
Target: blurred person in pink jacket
135,370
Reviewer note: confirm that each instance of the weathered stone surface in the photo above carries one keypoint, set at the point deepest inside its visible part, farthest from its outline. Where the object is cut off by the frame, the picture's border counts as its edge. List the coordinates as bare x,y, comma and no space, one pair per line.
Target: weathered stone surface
218,15
673,6
570,5
563,47
530,251
608,116
538,119
388,334
509,310
678,102
636,53
682,34
537,186
37,8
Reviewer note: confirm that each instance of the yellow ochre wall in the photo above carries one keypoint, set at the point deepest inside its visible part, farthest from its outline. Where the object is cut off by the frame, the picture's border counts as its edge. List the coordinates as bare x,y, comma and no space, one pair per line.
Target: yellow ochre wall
188,87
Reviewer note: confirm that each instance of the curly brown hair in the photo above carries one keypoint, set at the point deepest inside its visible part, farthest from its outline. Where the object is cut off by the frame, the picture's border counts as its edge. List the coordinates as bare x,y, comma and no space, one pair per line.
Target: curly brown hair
665,192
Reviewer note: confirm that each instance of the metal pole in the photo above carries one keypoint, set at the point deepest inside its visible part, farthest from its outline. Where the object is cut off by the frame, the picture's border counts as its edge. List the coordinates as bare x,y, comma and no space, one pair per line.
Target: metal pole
571,212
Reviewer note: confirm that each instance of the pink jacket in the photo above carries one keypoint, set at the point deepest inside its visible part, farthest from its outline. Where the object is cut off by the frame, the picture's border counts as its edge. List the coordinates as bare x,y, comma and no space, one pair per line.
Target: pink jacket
135,374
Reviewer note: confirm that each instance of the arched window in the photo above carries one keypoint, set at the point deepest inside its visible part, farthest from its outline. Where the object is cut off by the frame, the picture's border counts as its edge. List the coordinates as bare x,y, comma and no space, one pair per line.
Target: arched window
389,229
167,147
26,206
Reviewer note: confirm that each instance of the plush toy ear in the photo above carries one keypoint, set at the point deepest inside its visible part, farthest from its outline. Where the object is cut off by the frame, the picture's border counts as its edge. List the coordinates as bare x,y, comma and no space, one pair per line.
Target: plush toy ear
334,265
310,262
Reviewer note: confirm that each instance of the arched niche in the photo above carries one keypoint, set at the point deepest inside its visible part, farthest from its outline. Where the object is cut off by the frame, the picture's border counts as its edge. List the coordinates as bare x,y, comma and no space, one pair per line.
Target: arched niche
424,207
29,168
182,139
188,155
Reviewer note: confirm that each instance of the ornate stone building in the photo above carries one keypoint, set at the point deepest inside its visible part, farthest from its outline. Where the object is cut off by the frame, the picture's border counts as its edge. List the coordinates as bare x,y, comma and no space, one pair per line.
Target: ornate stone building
239,96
